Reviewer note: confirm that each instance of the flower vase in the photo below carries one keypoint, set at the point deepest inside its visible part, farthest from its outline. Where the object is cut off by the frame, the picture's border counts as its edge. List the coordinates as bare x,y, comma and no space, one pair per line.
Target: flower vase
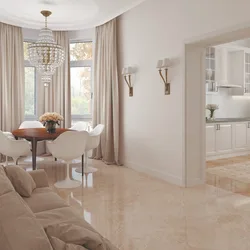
211,114
50,126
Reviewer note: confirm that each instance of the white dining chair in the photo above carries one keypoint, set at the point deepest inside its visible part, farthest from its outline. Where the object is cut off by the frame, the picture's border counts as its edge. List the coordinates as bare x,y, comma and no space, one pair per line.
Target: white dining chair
93,142
80,126
31,124
68,146
13,148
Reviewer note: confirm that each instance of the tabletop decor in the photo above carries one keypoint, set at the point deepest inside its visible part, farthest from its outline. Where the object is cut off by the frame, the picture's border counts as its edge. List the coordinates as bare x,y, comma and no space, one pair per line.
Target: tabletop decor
50,120
212,108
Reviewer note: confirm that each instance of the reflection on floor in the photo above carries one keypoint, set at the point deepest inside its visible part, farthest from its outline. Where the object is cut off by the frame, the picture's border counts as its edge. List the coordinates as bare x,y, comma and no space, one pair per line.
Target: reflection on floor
139,212
232,174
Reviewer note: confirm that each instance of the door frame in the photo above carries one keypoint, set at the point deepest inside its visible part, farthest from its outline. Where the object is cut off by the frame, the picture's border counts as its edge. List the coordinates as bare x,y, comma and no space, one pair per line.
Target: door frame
195,99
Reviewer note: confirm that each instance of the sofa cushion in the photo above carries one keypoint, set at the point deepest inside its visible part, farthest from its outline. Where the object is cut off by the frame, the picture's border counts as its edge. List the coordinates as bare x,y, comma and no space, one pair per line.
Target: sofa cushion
75,234
58,244
60,215
40,178
68,215
5,184
21,180
43,200
19,228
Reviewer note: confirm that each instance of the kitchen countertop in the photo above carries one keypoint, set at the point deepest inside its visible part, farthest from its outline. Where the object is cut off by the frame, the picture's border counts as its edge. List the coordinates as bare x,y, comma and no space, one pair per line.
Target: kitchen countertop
219,120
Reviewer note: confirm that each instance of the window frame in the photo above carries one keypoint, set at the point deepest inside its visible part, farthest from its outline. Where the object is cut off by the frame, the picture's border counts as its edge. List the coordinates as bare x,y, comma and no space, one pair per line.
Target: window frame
83,63
28,65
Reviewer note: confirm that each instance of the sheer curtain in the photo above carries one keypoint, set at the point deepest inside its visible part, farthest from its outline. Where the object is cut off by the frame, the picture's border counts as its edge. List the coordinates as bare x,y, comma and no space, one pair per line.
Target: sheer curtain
57,94
106,99
12,84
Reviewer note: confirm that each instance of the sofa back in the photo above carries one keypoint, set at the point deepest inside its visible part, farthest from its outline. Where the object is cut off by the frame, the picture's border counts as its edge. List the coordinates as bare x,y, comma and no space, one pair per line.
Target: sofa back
19,228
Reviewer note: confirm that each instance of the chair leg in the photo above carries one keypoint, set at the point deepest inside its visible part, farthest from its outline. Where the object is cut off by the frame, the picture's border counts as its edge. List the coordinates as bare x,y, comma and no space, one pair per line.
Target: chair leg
86,160
15,159
67,176
83,165
6,161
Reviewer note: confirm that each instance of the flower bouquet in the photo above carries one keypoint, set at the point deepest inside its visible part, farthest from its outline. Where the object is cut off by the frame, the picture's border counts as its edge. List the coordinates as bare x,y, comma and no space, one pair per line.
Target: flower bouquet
212,108
50,120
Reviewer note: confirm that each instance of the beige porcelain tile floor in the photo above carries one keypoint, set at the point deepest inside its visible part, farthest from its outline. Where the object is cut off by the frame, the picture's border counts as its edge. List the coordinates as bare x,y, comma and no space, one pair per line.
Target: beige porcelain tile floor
139,212
232,174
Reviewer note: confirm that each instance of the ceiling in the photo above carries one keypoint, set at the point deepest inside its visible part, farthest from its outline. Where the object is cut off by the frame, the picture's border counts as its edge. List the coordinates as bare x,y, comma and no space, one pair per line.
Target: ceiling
66,14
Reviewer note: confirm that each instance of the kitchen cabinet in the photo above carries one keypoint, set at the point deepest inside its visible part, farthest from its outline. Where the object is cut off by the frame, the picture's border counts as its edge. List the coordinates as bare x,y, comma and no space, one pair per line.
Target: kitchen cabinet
211,74
227,139
241,136
224,138
239,71
211,139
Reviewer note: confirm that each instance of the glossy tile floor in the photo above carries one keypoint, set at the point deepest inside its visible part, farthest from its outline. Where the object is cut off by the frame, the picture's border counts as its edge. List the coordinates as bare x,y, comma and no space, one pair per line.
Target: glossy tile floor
232,174
139,212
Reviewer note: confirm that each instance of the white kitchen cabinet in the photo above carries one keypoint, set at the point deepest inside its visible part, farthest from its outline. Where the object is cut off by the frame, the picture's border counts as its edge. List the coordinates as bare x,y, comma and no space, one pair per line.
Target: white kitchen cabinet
224,138
211,74
211,139
241,136
239,71
227,139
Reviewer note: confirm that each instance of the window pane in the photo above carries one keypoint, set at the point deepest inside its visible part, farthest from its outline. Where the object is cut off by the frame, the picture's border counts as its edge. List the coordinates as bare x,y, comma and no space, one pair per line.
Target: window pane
25,50
30,91
80,90
80,51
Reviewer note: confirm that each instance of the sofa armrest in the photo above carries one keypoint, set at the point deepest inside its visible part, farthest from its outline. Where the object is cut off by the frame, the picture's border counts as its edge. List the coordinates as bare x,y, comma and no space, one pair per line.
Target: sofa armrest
40,178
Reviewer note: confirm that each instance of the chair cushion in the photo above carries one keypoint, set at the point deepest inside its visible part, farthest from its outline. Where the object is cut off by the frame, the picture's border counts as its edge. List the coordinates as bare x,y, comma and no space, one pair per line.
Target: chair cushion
5,184
75,234
21,180
43,200
58,244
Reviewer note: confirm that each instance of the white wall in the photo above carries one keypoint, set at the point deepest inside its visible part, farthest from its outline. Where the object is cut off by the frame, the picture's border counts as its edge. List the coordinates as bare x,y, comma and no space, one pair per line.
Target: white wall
153,134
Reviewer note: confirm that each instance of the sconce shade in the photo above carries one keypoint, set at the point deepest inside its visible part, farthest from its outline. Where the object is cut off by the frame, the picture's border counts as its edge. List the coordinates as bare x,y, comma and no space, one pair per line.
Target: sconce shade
166,63
124,71
129,70
159,64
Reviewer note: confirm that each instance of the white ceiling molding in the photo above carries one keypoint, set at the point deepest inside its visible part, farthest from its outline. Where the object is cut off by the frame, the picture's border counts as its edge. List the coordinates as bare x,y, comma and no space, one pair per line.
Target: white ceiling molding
66,14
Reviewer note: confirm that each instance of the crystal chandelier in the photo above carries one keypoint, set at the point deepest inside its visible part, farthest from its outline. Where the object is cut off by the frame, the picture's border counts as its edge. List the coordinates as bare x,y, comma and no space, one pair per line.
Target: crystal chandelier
45,54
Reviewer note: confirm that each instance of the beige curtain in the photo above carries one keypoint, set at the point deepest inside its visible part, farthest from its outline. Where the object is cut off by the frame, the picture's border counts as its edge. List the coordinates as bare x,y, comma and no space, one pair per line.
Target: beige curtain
11,77
57,95
106,100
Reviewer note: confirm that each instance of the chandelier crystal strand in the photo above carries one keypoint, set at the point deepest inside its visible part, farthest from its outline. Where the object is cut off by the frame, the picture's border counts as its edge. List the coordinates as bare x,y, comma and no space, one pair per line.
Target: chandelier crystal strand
45,54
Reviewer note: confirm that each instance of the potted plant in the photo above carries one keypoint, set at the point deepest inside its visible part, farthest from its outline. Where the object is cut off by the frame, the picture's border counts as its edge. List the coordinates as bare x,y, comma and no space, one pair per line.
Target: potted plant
212,108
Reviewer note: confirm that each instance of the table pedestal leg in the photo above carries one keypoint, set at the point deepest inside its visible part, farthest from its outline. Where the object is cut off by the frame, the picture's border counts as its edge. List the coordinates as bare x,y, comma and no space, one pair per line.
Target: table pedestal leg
34,147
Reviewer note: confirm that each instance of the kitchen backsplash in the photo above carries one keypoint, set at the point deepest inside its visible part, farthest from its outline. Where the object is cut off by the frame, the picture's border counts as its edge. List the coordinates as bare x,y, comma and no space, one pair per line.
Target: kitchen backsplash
230,106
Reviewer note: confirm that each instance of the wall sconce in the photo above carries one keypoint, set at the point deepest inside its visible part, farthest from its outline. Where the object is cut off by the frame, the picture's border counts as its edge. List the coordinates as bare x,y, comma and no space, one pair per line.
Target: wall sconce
164,65
127,72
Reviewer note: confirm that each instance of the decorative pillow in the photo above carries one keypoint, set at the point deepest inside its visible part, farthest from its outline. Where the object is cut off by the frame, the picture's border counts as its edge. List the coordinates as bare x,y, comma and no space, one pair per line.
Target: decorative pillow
5,184
21,180
74,234
58,244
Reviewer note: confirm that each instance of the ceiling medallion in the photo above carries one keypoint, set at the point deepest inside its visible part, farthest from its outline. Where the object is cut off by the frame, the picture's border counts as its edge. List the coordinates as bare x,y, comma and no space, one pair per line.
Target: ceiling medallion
45,54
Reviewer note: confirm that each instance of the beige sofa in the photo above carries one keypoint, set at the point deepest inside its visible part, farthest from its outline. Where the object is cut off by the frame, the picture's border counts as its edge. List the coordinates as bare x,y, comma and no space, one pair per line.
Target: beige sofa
42,221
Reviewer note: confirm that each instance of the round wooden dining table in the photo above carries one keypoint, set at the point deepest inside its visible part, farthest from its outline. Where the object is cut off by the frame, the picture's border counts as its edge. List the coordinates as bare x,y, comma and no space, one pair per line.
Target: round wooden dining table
34,135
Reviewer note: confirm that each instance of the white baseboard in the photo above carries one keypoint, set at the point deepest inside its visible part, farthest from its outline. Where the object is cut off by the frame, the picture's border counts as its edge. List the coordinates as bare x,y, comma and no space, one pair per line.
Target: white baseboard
158,174
228,155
